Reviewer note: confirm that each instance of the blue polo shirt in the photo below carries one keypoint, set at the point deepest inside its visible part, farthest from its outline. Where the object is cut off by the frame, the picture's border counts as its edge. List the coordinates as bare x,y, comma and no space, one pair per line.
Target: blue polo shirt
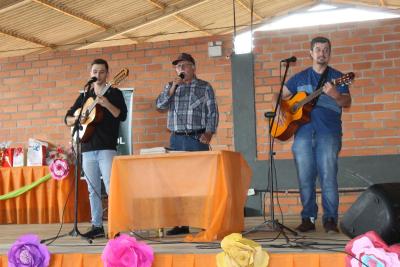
326,114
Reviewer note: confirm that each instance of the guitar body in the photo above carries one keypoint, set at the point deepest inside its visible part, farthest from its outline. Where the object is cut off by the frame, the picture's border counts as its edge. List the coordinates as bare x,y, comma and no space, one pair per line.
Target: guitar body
291,116
90,117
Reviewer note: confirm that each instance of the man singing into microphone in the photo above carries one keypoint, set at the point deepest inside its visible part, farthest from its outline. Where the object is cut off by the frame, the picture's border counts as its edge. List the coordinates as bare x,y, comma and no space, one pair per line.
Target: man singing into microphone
192,112
98,151
317,143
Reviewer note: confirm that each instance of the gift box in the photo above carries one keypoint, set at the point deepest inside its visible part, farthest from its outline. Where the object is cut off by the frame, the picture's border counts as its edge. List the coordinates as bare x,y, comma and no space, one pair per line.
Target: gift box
8,155
36,155
19,157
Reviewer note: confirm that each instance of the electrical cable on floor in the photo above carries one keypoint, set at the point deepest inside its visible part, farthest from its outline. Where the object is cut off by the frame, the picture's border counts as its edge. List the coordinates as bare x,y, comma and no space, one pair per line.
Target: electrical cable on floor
52,239
159,241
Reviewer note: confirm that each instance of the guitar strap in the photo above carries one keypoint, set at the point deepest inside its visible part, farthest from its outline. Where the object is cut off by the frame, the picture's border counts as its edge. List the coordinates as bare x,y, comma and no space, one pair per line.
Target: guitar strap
322,81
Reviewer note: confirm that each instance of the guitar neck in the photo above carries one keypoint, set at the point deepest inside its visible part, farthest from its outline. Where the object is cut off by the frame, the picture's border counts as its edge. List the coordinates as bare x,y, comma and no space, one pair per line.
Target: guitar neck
311,97
314,94
103,91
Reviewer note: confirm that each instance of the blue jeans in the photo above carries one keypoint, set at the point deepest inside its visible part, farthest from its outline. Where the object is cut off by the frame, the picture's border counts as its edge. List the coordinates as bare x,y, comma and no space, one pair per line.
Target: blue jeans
187,143
97,164
317,154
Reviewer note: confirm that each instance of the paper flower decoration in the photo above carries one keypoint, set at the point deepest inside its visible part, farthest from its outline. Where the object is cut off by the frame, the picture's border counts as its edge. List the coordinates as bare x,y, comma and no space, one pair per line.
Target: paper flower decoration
59,169
371,250
27,251
57,153
125,251
241,252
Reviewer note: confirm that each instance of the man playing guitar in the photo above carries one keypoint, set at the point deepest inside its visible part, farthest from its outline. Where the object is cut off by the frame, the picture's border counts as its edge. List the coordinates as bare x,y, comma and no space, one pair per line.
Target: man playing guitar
99,148
317,142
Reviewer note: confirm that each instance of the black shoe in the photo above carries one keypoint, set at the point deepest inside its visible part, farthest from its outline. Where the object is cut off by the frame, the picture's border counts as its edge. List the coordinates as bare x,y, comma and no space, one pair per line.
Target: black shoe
94,232
331,226
306,225
178,230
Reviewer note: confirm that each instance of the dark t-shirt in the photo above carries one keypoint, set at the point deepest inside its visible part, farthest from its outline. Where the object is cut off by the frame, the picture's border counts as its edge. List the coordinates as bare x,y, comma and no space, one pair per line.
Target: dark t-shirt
106,131
326,114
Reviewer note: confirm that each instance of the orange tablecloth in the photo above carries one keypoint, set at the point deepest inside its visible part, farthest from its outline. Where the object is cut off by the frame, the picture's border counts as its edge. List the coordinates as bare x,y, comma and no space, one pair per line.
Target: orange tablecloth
45,202
207,190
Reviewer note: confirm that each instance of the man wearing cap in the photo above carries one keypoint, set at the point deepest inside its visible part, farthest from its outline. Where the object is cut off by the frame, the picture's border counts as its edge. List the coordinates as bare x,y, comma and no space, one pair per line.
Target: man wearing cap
192,112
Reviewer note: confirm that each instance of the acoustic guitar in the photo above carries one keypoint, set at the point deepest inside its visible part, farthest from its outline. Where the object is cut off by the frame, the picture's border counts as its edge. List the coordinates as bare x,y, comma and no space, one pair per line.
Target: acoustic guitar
296,111
92,113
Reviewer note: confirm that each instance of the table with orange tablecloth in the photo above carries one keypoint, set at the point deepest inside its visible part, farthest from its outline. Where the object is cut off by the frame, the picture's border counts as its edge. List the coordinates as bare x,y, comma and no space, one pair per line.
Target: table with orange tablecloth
205,189
45,202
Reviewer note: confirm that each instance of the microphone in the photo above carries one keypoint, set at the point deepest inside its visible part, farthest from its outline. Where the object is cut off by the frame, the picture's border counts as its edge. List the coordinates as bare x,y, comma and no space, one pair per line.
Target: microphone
182,76
290,59
91,80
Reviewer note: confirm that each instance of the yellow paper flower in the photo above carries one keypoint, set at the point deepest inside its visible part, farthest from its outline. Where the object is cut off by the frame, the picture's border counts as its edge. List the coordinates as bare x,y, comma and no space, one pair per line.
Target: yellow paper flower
241,252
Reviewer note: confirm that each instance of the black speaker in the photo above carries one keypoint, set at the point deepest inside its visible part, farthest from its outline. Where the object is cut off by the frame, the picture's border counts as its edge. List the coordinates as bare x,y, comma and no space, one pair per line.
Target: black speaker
378,209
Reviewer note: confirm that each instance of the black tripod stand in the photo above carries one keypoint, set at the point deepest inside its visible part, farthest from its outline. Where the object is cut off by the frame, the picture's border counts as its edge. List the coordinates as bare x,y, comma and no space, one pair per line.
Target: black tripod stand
77,149
273,224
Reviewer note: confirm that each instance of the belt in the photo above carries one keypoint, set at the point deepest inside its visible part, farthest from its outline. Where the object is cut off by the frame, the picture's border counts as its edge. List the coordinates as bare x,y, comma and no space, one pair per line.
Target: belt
190,132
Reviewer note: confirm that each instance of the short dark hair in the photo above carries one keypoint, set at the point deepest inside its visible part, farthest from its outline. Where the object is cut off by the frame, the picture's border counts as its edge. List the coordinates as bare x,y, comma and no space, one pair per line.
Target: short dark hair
100,61
320,39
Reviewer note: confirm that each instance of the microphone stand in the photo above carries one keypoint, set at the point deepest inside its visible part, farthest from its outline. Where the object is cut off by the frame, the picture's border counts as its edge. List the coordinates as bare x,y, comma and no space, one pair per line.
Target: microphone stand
75,131
77,127
274,224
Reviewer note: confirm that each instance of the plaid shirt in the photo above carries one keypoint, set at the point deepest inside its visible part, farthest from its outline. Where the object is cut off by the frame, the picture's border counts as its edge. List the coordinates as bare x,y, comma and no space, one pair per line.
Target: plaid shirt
191,107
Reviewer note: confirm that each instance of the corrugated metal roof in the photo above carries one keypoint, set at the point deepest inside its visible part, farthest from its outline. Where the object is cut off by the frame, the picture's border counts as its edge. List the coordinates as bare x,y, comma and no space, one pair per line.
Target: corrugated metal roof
34,26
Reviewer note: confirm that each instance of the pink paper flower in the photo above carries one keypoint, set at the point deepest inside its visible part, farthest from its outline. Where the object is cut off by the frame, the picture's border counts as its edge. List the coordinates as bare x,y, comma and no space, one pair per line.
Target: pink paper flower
27,251
59,169
125,251
371,250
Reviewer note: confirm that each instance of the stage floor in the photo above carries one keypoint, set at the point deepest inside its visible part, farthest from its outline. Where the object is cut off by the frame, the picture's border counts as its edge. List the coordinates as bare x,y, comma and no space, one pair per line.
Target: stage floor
272,241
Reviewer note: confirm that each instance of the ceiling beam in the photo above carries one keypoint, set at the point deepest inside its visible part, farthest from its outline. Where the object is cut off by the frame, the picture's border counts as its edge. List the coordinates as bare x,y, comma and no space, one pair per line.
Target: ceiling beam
141,40
192,24
130,25
293,8
5,7
246,6
26,38
181,18
71,13
157,3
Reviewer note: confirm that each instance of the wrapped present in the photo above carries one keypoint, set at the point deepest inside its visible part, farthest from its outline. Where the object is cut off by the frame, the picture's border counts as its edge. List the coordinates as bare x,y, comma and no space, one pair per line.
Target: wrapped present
19,157
36,155
3,147
8,155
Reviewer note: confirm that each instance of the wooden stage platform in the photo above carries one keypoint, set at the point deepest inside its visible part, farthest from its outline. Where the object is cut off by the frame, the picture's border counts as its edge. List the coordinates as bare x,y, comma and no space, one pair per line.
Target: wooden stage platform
311,249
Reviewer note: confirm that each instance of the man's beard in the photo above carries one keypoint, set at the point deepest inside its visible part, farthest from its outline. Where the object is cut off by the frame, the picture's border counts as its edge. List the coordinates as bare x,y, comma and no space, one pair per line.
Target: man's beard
322,61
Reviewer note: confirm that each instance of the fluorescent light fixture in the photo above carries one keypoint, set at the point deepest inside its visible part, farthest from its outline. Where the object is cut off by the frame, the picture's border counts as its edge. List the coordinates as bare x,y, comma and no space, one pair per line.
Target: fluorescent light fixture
243,43
319,15
326,17
322,7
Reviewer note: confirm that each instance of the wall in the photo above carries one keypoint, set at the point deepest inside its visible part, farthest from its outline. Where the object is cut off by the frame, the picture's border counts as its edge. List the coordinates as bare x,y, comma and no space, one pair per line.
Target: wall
36,90
371,50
